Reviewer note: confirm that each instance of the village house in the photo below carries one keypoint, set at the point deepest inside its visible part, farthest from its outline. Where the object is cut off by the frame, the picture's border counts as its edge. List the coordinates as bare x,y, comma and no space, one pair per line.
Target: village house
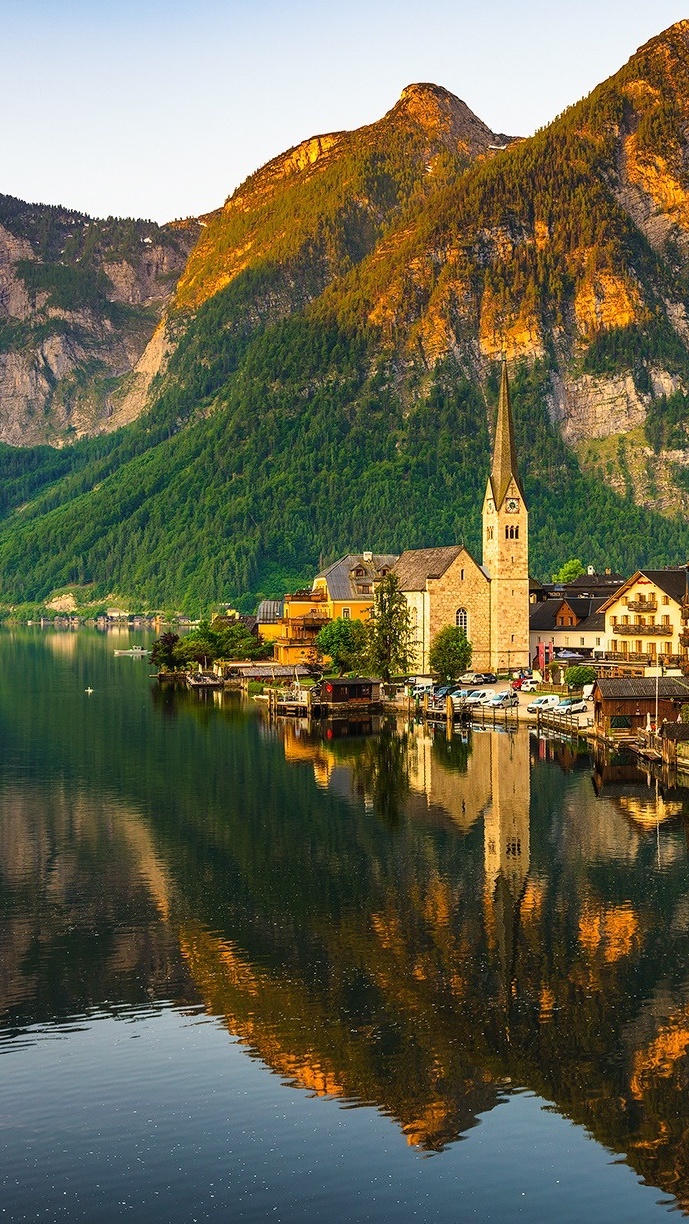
344,589
645,620
572,628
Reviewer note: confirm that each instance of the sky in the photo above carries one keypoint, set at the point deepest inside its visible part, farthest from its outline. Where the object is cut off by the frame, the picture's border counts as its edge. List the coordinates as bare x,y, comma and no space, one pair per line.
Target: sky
160,108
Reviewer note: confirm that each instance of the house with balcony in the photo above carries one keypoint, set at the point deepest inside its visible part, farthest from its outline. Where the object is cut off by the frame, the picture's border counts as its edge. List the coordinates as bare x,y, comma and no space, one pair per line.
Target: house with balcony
305,612
646,622
344,589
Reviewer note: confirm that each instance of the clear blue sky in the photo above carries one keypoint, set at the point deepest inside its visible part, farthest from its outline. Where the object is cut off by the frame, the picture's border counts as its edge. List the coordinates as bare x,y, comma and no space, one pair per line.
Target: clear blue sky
159,108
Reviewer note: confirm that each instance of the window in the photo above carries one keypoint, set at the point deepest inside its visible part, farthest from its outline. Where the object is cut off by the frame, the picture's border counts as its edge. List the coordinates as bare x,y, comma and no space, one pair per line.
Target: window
625,620
581,641
461,619
666,600
613,620
461,575
489,533
625,599
346,613
597,641
665,620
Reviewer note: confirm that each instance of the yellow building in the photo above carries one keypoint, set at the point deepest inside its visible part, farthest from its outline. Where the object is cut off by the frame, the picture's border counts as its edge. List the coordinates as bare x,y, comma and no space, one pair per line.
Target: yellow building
344,589
347,584
645,621
304,615
269,615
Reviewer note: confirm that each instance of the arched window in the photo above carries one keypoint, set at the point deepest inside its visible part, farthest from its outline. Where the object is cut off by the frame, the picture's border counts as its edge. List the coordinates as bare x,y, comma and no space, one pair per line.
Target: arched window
461,619
516,533
507,533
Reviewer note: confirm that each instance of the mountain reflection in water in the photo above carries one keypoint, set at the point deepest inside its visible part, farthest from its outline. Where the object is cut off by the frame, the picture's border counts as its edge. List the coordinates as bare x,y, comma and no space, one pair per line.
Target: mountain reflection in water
382,915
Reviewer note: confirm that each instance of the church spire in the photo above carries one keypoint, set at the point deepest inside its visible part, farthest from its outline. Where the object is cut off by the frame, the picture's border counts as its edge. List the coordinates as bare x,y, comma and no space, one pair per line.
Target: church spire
504,468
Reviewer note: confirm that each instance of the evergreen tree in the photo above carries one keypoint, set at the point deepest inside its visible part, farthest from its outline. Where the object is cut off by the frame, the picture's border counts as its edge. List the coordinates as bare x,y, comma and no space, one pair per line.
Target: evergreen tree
390,636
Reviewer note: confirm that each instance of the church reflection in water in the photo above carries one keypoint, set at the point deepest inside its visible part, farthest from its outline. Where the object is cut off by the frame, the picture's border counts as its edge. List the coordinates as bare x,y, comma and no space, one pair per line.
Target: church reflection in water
398,919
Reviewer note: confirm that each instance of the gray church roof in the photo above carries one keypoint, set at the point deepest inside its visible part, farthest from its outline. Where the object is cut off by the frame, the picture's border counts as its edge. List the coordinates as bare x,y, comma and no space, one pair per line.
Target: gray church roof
417,565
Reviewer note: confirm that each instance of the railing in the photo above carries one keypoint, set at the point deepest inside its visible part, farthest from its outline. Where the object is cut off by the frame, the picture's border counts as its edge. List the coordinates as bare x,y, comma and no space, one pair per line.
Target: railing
642,605
644,630
631,656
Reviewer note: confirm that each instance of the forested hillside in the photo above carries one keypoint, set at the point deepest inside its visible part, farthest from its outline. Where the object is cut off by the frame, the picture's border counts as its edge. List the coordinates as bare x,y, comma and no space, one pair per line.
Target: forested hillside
327,379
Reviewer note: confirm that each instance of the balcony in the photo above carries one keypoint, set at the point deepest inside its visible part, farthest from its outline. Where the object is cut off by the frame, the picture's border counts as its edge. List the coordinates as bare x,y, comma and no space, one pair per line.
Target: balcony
642,605
643,630
684,611
684,638
630,656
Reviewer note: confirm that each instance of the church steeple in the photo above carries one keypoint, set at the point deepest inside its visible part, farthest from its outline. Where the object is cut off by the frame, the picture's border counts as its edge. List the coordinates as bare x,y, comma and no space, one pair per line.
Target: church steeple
506,545
504,468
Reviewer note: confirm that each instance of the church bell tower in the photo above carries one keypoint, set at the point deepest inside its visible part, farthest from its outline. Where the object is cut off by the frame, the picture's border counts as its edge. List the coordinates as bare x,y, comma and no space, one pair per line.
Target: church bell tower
506,545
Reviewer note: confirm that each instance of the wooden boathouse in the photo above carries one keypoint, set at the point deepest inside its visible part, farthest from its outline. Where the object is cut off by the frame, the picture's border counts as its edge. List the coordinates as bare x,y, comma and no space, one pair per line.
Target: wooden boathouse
332,698
624,707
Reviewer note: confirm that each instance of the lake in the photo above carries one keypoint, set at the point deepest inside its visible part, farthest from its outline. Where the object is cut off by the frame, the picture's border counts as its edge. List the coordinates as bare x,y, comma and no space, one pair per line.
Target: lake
361,972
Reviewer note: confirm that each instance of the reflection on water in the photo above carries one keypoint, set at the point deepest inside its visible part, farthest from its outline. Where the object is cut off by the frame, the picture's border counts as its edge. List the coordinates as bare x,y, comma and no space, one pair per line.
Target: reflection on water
380,914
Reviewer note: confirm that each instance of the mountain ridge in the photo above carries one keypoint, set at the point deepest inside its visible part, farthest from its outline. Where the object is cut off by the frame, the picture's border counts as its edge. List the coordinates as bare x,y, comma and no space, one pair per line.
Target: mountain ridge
324,376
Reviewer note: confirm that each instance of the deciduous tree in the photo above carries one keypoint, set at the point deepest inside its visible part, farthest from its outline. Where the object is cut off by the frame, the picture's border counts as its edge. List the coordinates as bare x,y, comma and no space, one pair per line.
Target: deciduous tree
450,653
345,642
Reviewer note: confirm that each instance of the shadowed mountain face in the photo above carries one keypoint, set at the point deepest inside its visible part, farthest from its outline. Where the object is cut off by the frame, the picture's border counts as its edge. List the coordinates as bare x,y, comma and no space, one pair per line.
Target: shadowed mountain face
79,301
324,372
389,919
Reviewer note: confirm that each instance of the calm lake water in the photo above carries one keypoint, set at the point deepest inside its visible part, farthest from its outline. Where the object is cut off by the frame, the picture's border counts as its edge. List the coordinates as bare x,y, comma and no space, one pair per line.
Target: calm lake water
254,973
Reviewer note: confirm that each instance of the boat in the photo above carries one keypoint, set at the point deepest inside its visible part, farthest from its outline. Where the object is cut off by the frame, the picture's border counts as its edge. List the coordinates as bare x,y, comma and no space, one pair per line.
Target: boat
138,652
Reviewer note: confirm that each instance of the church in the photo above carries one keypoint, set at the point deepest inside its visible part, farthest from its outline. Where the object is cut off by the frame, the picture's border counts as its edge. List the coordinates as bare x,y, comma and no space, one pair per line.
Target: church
490,601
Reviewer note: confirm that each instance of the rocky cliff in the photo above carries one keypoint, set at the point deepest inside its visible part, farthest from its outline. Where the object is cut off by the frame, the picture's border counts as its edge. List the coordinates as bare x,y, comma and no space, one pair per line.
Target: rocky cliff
79,302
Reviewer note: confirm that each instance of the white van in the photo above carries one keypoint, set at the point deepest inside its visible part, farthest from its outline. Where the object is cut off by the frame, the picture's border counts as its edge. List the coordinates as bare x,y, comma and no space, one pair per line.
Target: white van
547,702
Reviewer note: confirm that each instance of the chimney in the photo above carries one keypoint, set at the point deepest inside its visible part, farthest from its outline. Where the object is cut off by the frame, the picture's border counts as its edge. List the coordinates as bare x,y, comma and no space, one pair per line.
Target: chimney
367,556
608,572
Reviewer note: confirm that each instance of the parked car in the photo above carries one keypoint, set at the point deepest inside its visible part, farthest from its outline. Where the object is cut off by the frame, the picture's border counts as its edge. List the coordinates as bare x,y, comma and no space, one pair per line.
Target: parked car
503,701
516,683
547,701
442,690
460,696
529,686
485,678
571,705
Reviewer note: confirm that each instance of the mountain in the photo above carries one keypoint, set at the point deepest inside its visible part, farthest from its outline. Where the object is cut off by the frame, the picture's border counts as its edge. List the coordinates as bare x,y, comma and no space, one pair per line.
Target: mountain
79,302
323,375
